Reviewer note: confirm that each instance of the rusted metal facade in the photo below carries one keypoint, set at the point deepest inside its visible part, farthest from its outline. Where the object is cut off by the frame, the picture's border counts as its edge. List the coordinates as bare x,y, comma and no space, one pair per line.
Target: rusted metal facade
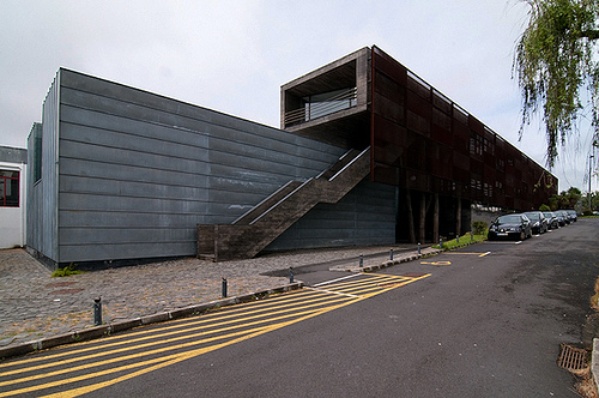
441,158
423,141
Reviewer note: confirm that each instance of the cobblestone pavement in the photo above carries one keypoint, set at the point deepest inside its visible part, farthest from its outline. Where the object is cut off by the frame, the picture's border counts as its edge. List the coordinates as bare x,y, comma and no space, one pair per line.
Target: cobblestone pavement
34,305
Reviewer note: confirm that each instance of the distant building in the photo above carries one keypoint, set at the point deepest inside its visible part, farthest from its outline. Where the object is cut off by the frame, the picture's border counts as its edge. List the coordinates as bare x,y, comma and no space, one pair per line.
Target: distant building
368,154
13,168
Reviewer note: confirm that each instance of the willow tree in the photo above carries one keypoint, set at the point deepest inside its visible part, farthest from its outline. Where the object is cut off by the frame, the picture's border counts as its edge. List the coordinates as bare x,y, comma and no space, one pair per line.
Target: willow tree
557,67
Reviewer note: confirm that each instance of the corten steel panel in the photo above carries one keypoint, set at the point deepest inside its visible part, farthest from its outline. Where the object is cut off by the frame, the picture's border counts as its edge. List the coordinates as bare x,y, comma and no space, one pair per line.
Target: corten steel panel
441,161
390,89
419,113
390,67
420,88
393,111
476,125
441,127
441,142
442,103
461,138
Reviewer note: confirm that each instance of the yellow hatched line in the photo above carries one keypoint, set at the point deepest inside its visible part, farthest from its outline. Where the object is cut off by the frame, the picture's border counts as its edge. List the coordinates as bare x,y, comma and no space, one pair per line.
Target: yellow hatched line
363,286
260,320
204,322
87,389
158,363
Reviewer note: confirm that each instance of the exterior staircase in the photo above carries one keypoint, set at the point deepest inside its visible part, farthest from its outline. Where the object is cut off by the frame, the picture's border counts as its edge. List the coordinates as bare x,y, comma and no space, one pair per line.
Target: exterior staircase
255,230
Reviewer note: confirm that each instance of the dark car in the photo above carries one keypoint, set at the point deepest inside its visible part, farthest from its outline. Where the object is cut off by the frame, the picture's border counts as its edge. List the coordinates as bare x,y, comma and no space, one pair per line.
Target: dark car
515,226
539,221
560,218
552,222
565,216
573,215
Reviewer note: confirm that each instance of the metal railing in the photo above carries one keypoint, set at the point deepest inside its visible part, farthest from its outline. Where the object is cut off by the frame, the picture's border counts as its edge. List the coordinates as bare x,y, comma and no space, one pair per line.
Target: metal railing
311,110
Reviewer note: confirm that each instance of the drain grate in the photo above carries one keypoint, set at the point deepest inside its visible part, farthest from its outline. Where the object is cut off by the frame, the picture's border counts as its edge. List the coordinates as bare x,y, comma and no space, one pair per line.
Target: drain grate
572,358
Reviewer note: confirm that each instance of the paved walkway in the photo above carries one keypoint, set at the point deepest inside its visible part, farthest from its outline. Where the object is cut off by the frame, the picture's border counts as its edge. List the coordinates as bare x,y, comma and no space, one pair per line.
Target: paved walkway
33,305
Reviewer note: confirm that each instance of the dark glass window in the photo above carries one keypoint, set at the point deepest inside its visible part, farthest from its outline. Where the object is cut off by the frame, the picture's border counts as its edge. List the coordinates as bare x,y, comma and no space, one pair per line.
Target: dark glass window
9,188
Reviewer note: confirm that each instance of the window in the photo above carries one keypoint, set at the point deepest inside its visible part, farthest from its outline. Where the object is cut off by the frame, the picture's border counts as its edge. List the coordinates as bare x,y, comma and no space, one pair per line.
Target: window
9,188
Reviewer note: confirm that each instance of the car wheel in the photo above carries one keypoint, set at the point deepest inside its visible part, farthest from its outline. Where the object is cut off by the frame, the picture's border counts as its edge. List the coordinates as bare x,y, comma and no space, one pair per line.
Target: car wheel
522,235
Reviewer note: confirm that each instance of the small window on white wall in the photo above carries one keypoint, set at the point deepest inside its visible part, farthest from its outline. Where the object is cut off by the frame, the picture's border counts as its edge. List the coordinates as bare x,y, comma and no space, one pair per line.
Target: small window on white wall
9,188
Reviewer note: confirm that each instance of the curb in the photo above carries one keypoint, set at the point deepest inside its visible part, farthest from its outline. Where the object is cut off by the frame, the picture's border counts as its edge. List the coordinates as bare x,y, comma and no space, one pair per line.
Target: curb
106,330
388,263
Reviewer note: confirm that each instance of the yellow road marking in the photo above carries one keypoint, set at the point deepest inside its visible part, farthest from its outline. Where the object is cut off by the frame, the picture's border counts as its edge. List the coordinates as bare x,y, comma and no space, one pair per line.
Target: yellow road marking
438,263
332,292
203,320
479,254
156,351
343,299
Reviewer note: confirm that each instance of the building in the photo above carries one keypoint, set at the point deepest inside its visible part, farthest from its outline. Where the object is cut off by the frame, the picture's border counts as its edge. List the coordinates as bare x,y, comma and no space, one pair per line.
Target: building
13,162
441,158
368,153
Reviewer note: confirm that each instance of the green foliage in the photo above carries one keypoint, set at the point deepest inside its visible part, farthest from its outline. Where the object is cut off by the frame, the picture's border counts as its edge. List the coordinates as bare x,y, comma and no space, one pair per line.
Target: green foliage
465,240
69,270
479,227
555,62
544,207
566,199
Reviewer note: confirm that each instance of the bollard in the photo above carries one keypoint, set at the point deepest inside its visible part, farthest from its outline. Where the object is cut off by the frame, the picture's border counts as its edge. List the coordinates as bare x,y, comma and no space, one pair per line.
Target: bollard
457,238
98,311
291,275
361,260
391,254
224,288
471,237
419,251
441,243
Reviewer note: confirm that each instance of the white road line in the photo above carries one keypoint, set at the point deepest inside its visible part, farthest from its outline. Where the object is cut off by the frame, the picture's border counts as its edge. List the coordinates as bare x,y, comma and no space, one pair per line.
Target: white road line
332,292
336,280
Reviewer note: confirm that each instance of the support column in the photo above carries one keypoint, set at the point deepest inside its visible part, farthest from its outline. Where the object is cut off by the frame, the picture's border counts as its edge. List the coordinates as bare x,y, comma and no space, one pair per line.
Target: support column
436,219
458,218
422,219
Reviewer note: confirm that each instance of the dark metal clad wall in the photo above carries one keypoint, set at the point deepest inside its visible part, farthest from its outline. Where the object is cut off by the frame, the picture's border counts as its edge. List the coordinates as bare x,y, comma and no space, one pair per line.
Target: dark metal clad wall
422,141
139,171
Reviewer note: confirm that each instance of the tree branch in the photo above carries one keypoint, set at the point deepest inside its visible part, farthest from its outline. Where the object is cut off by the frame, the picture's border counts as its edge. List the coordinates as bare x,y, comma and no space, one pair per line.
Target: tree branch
590,34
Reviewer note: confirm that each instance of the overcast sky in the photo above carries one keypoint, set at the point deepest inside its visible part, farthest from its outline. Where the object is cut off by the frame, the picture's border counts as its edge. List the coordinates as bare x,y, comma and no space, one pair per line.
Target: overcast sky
233,56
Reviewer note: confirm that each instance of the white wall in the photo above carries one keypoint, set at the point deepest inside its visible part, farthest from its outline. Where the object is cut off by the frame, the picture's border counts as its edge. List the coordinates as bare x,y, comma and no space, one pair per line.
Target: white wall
12,219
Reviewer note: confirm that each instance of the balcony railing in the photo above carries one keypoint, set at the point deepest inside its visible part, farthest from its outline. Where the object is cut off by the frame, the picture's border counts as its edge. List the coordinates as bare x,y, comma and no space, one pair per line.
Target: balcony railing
319,105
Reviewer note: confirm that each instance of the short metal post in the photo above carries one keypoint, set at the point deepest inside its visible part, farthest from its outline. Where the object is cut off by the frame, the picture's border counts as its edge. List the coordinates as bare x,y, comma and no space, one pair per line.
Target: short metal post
224,285
457,238
98,311
441,242
419,251
361,260
471,237
291,279
391,254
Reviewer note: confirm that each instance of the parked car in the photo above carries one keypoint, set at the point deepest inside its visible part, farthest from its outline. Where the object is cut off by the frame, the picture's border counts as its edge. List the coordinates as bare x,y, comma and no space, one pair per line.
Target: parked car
552,222
515,226
573,215
560,218
565,216
539,221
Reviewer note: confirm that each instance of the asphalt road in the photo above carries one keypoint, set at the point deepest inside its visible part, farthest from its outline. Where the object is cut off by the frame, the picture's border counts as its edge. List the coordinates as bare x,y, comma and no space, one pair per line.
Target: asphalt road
487,322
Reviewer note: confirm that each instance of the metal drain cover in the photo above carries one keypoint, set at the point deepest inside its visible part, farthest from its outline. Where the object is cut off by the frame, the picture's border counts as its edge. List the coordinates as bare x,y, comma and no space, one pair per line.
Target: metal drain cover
572,358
